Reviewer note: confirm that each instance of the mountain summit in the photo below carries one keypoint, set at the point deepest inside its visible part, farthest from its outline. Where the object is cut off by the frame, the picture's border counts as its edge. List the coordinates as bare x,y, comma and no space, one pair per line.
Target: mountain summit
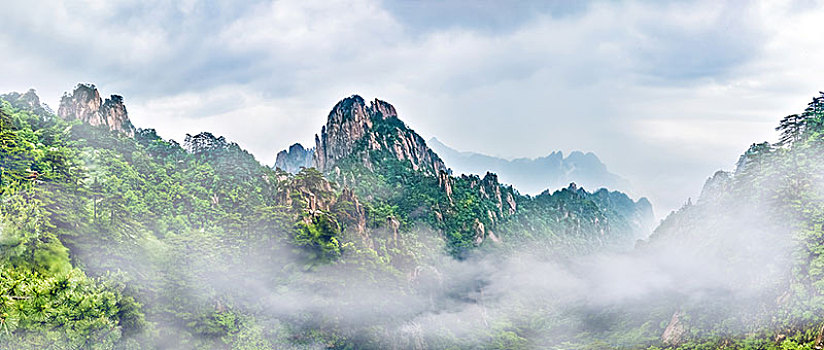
366,147
355,128
85,104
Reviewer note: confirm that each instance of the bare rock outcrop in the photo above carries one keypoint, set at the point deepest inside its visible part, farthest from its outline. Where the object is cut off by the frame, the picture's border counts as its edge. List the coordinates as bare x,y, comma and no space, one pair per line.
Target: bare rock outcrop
355,128
479,231
85,104
351,211
446,182
676,330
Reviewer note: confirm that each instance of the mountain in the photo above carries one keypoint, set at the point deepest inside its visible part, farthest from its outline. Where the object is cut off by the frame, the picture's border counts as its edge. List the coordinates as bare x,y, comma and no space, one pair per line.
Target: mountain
368,149
354,129
112,240
119,239
740,267
538,174
85,104
294,159
28,100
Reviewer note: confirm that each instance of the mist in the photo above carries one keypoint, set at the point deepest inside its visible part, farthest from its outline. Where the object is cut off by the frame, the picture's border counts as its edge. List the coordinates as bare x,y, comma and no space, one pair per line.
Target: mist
729,269
143,242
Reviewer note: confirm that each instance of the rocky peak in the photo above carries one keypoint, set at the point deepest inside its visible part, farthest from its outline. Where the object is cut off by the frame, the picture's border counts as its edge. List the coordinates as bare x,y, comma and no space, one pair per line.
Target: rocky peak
295,158
384,109
489,188
29,101
356,129
31,98
85,104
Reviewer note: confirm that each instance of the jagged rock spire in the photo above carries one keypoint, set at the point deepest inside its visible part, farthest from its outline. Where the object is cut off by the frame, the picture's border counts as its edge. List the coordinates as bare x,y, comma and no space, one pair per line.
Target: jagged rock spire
355,127
85,104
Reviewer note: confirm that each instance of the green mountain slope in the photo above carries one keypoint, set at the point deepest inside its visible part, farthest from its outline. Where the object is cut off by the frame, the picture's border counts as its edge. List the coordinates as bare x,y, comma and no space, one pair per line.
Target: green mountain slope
760,227
367,148
115,238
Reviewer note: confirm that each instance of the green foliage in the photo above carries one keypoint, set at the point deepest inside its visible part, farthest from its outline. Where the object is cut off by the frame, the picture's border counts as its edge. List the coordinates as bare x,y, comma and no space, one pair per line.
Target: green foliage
39,311
317,234
74,195
80,201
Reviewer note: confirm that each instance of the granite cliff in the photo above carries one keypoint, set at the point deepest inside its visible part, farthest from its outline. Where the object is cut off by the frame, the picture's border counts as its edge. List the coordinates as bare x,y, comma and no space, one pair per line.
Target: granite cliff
357,129
85,104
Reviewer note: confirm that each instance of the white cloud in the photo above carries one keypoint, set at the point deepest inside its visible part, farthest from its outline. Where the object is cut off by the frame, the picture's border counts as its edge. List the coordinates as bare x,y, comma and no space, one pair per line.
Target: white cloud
301,32
257,123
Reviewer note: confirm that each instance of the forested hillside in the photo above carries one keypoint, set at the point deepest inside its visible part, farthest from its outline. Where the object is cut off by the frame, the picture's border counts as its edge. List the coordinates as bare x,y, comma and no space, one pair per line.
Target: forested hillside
740,268
115,238
264,175
758,230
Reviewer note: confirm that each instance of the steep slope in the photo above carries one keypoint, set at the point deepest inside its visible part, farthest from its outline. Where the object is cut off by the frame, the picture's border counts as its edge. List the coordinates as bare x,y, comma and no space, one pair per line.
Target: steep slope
47,300
151,221
749,250
535,175
370,150
353,130
85,104
196,245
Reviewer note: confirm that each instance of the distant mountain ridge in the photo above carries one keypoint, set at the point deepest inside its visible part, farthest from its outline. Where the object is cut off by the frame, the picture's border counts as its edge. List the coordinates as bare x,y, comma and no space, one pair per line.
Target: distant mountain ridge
295,158
535,175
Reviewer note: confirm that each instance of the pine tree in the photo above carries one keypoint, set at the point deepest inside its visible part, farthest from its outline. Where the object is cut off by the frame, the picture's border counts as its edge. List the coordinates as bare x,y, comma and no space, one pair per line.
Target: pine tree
791,128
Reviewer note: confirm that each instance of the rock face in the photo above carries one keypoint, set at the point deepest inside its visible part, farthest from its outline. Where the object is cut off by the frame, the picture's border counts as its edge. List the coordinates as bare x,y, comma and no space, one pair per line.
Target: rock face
85,104
488,188
295,158
355,128
674,333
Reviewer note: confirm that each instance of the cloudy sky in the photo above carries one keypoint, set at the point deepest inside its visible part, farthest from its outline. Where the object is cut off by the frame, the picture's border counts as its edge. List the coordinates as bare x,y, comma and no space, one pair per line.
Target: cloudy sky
665,93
